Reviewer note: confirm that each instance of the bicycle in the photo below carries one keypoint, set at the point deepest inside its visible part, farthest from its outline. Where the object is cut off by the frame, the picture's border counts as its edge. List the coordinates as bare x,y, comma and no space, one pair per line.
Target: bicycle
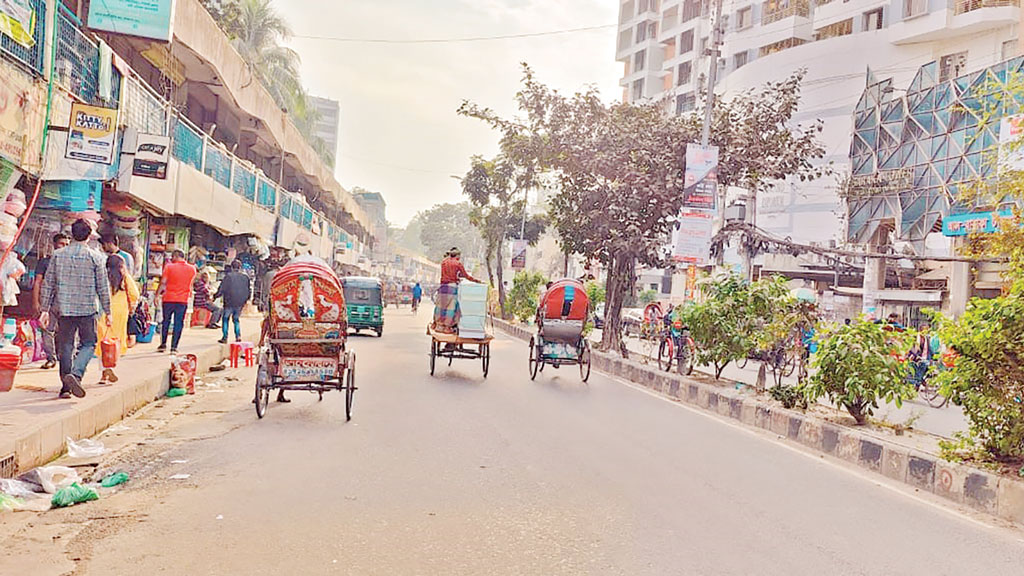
684,355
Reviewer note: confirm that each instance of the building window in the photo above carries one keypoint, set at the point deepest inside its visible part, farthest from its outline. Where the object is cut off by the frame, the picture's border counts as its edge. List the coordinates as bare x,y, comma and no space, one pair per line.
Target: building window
704,46
775,10
952,65
638,90
691,10
914,8
779,46
739,60
643,6
685,103
641,32
1010,49
834,30
684,73
640,61
686,41
744,18
873,19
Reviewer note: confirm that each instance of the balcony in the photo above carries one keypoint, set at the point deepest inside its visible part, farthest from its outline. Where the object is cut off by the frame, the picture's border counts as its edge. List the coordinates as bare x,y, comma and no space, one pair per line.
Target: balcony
965,6
776,10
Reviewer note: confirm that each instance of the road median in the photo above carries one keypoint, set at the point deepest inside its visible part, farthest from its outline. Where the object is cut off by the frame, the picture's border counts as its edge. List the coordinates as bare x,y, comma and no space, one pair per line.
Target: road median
979,489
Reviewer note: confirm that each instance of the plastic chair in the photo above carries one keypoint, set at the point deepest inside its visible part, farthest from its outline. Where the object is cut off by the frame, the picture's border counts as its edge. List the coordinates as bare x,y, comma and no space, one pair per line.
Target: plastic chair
244,350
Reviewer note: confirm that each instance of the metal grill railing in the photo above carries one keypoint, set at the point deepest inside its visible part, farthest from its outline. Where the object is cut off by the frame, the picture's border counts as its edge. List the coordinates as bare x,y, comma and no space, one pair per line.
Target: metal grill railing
188,145
965,6
142,109
34,56
267,195
775,10
218,166
77,62
244,183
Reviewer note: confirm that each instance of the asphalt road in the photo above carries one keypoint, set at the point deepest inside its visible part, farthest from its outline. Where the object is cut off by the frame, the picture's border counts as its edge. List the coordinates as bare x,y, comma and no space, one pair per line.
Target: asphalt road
456,474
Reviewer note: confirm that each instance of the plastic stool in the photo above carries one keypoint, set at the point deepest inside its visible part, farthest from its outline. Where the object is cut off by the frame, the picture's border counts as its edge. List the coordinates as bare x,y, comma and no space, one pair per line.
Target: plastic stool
242,349
200,317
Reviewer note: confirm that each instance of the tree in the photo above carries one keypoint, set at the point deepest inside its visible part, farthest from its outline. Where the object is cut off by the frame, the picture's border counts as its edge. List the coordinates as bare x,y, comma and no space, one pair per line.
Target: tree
447,225
857,365
522,298
619,168
497,189
720,322
226,14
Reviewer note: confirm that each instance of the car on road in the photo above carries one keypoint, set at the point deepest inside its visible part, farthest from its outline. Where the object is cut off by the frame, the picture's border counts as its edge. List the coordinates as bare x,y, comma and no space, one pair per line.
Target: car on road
599,316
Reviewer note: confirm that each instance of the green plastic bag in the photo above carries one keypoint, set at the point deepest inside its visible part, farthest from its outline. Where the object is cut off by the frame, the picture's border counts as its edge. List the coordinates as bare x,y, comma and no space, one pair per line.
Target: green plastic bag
114,480
74,494
175,392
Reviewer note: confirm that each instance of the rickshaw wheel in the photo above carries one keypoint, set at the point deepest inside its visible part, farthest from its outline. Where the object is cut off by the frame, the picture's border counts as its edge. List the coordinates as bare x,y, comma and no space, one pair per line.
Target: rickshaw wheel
485,355
534,362
350,386
433,355
262,390
585,362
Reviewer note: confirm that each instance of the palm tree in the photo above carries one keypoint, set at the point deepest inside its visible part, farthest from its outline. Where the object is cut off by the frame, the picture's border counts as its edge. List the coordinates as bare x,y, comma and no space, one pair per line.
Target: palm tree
260,31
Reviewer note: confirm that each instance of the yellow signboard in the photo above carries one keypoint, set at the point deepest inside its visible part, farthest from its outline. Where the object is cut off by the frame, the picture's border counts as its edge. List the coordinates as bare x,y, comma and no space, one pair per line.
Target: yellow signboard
92,134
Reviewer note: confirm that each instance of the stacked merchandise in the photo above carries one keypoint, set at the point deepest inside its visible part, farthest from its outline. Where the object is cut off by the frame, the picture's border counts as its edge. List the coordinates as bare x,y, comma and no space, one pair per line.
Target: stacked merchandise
163,240
473,304
124,219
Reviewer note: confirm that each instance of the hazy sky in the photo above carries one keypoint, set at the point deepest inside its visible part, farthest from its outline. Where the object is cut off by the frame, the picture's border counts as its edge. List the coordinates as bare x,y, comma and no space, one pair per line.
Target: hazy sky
399,132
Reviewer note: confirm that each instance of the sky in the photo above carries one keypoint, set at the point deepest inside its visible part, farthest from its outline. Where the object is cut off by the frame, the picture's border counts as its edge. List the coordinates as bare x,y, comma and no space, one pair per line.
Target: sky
400,135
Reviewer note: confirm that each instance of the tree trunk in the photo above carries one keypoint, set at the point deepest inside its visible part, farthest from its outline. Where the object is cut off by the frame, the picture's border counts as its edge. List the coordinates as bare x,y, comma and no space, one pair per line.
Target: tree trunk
489,261
500,266
857,410
618,284
565,265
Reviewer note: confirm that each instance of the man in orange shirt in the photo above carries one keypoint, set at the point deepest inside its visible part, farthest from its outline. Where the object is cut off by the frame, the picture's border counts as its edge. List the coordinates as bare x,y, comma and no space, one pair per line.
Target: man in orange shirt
175,290
446,305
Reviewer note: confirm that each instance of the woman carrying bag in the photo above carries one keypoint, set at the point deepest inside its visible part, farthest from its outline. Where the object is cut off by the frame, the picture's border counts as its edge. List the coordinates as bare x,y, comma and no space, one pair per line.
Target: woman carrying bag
124,296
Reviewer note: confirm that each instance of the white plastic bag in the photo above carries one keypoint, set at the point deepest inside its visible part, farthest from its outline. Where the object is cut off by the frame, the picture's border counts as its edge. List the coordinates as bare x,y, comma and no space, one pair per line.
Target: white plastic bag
85,448
51,478
16,488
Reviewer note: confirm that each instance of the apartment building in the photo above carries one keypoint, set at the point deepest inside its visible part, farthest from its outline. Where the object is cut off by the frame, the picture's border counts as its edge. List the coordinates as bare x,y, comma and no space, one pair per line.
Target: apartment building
664,46
328,124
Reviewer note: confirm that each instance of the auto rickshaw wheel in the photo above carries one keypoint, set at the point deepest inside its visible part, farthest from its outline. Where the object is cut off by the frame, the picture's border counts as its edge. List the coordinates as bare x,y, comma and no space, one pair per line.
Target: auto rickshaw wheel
380,331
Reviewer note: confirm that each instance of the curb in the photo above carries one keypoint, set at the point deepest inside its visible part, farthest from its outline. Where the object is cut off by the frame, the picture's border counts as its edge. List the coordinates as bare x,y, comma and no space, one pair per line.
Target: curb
44,443
975,488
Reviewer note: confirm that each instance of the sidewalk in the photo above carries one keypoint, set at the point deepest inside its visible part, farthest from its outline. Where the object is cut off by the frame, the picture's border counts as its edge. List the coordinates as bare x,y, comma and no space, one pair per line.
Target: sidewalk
34,422
942,422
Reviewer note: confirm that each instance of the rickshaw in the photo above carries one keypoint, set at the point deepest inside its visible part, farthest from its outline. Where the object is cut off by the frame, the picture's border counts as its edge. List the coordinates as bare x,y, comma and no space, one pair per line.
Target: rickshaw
364,306
472,341
561,322
302,346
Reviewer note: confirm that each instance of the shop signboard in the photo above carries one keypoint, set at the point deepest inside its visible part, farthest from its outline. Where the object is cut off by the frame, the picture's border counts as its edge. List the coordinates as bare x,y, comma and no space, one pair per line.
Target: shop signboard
691,240
92,134
700,180
518,254
973,223
15,110
144,18
152,152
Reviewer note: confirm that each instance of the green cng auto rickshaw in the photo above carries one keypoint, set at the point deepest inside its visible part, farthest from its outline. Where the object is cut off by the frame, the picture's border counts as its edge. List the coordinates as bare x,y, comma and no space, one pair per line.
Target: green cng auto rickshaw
363,303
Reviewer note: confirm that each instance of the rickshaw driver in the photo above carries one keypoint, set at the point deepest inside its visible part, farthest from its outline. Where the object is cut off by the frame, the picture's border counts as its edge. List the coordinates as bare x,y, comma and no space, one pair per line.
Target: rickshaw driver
446,305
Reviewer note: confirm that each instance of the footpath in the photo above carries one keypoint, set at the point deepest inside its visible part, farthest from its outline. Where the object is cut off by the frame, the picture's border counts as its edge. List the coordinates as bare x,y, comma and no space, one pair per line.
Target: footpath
34,423
907,457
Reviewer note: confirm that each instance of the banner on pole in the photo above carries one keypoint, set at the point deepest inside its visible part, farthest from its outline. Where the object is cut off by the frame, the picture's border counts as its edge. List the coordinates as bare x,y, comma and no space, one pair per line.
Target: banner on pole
700,179
518,254
691,240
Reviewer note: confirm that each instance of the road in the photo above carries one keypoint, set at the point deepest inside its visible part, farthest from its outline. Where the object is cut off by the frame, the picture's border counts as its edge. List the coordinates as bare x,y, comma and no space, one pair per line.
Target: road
459,475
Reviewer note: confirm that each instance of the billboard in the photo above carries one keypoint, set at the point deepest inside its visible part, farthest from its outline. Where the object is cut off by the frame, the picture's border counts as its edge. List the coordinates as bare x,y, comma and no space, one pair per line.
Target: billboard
92,134
151,155
700,180
143,18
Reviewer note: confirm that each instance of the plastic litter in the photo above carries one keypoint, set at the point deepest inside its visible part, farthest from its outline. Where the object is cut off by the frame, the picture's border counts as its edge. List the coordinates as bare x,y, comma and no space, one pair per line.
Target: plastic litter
85,448
117,428
175,392
50,479
179,477
17,488
74,494
114,479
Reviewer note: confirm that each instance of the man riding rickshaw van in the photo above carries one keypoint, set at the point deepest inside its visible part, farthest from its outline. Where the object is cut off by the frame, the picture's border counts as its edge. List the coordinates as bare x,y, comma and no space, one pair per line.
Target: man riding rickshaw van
446,303
364,304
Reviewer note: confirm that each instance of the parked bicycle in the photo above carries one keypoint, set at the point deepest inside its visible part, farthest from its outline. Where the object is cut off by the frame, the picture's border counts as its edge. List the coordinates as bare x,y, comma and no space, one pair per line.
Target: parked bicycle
676,344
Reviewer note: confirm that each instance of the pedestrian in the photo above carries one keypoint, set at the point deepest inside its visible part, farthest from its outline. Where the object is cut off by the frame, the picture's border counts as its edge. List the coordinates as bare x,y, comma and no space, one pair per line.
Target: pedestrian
201,300
60,240
76,290
124,295
111,245
235,290
174,291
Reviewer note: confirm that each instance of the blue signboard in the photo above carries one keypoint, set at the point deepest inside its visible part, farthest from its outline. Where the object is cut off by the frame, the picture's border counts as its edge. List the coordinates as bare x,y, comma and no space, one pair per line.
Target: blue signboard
144,18
972,223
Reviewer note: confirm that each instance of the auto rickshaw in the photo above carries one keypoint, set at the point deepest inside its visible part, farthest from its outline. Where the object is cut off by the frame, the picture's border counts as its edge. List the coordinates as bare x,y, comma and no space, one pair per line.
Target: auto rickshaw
364,304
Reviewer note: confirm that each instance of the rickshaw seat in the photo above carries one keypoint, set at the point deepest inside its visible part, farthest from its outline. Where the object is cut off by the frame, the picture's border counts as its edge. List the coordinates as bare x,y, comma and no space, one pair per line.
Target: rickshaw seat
566,331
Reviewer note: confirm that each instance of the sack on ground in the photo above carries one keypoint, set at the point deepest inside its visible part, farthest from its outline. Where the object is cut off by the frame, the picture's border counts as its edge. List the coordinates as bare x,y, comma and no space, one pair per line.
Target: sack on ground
183,372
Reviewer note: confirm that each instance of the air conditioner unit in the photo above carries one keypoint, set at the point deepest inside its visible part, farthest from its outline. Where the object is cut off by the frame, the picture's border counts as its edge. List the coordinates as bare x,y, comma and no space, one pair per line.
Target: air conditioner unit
736,213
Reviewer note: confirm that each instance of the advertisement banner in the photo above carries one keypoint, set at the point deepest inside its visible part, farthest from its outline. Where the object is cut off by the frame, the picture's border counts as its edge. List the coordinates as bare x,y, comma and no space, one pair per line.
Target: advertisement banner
18,21
16,99
700,180
518,254
973,223
1011,149
143,18
152,153
691,240
92,134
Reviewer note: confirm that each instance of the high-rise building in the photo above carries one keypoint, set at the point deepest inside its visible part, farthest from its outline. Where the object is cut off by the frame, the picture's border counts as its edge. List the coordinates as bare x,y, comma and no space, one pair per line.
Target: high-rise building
327,124
665,47
376,208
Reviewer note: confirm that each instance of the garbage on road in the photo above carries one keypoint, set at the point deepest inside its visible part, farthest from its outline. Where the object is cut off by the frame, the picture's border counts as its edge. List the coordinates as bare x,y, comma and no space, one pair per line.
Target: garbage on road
175,392
179,477
183,373
50,479
85,448
114,479
31,503
74,494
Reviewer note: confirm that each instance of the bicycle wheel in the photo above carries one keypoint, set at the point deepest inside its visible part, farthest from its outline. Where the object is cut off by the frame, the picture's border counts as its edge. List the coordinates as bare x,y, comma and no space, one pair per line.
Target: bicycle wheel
665,354
742,363
691,357
788,364
931,395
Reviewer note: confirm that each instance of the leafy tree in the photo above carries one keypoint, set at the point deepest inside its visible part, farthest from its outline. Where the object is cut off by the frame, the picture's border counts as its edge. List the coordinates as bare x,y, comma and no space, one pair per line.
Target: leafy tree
447,225
522,298
719,323
647,296
595,292
857,365
619,167
497,189
226,14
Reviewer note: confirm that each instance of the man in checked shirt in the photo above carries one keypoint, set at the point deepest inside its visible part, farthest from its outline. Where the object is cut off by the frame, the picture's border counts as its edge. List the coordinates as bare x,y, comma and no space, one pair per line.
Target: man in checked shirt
76,289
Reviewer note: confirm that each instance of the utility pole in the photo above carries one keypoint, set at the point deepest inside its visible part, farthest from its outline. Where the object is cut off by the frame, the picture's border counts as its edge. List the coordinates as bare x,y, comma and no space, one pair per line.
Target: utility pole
713,51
